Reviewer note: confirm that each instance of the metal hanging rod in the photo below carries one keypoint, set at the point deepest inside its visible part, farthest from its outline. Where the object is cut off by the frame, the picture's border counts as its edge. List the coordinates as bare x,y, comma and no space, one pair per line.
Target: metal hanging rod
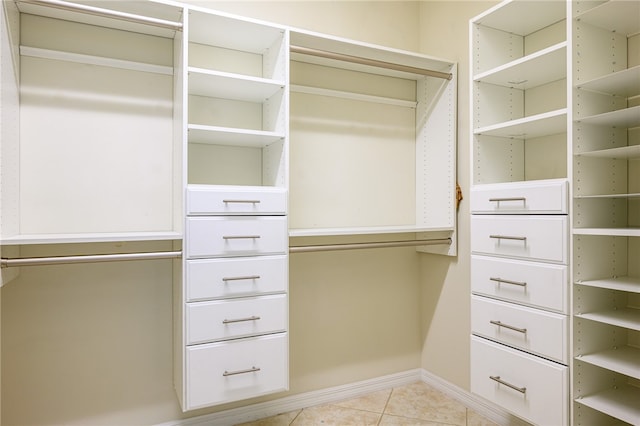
93,258
108,13
354,246
370,62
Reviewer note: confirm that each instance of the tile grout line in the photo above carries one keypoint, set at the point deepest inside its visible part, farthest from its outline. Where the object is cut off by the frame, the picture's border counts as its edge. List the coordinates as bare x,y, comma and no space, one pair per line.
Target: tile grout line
386,404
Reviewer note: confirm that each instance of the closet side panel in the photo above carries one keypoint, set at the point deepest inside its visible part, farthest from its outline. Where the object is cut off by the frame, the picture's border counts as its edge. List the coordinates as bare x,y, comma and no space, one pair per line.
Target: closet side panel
10,119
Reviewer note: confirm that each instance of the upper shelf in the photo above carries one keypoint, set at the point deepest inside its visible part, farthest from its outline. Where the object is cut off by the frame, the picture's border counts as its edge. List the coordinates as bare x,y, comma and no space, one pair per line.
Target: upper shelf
548,123
232,32
623,152
625,83
203,82
621,16
626,118
146,17
534,70
366,51
523,18
217,135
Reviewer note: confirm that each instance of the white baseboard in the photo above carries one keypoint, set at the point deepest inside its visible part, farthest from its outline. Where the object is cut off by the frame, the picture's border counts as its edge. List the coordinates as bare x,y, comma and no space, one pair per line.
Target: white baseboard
475,403
296,402
352,390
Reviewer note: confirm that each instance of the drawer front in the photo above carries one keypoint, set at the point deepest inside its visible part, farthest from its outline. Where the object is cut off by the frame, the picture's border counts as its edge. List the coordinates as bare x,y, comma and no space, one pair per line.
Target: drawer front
235,318
230,371
543,395
205,199
236,277
236,236
541,197
541,238
543,333
541,285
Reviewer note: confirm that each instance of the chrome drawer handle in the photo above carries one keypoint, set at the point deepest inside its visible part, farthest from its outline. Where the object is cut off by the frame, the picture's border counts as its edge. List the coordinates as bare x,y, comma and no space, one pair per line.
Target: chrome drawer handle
507,237
510,327
509,385
248,277
241,237
234,373
241,201
497,200
231,321
503,281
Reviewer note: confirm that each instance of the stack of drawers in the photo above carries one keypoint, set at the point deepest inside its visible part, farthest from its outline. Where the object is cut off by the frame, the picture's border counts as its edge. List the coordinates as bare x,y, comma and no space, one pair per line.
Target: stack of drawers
520,299
236,282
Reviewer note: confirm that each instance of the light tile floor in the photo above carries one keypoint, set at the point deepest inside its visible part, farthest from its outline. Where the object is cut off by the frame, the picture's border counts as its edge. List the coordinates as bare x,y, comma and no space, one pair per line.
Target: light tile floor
416,404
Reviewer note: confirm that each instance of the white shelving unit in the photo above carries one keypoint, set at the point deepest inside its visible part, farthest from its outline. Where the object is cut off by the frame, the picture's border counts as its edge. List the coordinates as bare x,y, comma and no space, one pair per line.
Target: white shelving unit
392,123
606,209
87,176
231,303
237,121
519,204
593,122
161,121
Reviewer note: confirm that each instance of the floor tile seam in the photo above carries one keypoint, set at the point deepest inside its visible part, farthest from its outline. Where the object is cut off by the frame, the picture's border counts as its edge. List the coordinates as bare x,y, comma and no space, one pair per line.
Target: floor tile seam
296,416
386,404
425,420
352,408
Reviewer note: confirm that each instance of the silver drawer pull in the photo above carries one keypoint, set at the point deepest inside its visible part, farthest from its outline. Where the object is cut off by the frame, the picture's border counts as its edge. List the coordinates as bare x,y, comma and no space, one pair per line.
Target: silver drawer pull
510,327
234,373
497,200
509,385
507,237
241,201
231,321
503,281
241,237
248,277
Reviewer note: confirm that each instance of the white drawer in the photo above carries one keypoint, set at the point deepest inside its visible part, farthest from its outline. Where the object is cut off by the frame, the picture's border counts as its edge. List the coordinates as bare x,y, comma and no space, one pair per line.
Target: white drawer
542,197
540,332
230,371
542,238
541,285
235,200
236,277
235,318
543,395
236,236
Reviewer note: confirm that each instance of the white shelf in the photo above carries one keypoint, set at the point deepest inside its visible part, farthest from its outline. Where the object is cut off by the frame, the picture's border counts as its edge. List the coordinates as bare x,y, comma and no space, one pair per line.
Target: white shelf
622,317
522,18
625,83
625,360
125,16
548,123
89,238
613,232
627,117
621,16
534,70
401,229
215,29
629,284
620,152
621,403
218,84
58,55
230,136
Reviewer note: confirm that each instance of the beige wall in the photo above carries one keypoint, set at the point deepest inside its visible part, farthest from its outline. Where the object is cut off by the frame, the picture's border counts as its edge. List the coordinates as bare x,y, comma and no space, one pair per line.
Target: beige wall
91,344
444,32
